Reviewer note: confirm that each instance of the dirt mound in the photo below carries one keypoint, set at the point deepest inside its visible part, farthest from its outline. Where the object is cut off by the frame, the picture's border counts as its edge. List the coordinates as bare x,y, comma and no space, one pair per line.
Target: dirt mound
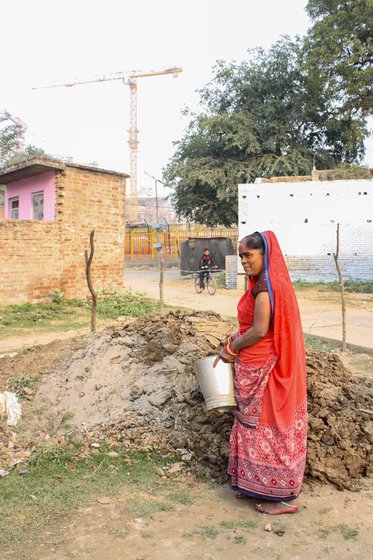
340,435
135,385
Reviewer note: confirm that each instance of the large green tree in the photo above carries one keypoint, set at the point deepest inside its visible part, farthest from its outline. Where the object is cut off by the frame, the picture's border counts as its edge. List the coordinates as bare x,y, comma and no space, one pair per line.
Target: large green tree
338,52
260,118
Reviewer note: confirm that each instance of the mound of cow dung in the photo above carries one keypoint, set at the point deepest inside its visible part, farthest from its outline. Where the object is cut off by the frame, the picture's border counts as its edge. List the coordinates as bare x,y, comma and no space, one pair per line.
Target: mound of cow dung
340,434
135,384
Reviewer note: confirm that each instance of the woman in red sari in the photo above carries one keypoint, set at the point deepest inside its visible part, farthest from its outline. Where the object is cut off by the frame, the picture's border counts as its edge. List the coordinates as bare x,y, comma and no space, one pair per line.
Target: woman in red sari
269,435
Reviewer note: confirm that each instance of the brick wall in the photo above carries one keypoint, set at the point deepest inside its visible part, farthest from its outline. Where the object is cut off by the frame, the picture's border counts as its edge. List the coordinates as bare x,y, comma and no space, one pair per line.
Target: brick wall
89,200
29,260
37,257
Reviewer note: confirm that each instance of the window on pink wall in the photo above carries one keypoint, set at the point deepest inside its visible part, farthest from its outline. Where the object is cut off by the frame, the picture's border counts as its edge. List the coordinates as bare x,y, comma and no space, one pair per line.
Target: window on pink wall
14,208
38,205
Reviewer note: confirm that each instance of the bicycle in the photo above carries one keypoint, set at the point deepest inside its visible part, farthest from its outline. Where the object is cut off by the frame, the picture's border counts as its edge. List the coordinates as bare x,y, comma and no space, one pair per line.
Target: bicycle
209,282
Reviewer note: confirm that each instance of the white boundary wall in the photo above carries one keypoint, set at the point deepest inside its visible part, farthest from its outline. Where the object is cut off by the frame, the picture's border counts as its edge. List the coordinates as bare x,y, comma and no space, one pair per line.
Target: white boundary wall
304,217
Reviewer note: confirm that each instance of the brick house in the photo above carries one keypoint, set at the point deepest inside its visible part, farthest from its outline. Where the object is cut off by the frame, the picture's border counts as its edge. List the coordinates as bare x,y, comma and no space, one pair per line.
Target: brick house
50,208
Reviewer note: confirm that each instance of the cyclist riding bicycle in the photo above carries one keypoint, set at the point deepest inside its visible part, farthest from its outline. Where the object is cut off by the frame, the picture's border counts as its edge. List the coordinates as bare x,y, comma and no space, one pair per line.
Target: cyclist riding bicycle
205,264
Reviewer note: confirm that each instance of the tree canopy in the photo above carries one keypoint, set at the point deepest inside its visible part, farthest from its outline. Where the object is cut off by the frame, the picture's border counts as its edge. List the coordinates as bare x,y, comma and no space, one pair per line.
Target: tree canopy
9,141
339,50
11,150
274,114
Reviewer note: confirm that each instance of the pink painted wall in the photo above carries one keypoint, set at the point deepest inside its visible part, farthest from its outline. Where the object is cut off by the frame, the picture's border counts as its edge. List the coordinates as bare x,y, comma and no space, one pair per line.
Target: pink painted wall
25,188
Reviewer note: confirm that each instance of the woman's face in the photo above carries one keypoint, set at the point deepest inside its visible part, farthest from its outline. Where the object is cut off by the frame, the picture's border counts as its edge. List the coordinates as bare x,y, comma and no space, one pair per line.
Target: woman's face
252,260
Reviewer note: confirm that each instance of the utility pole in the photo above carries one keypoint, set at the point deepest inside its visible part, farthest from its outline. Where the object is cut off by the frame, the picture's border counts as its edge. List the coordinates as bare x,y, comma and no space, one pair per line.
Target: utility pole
158,245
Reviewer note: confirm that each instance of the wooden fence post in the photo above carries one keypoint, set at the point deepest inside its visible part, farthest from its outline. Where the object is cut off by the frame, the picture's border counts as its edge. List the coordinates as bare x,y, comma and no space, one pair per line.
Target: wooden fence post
88,262
341,285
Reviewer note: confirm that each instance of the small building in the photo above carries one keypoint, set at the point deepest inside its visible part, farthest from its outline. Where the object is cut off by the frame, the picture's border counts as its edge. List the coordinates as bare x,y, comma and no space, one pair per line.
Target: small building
147,211
304,214
50,208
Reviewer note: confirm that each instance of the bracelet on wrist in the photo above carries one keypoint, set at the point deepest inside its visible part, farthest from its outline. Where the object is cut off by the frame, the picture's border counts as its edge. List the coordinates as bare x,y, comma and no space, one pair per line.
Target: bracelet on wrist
229,350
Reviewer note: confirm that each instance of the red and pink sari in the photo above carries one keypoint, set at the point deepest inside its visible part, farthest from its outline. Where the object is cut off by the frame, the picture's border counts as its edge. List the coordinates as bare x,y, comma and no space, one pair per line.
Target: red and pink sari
269,435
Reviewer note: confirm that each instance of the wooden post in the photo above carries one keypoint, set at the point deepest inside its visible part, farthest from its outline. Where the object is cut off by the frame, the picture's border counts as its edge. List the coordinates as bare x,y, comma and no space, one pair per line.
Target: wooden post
341,285
88,262
161,268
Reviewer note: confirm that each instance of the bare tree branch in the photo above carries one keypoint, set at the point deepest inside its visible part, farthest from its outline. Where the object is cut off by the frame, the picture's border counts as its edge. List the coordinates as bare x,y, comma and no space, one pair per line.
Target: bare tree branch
161,300
88,262
341,285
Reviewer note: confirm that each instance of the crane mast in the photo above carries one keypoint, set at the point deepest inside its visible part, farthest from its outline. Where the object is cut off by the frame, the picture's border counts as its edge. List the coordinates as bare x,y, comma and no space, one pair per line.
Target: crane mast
129,78
133,144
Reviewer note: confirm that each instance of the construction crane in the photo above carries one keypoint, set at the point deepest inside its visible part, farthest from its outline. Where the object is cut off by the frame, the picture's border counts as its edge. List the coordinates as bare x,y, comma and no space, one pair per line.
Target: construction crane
129,78
20,127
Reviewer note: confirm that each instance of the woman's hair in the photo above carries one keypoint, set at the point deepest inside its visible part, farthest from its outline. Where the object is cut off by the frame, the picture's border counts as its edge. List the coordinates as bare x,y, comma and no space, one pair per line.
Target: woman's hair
254,241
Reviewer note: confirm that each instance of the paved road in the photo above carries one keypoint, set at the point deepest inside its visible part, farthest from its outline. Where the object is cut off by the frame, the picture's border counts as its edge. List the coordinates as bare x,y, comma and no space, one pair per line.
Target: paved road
320,311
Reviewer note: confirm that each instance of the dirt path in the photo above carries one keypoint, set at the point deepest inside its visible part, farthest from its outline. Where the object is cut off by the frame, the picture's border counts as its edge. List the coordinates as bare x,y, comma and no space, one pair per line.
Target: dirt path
320,310
14,343
206,521
215,526
30,338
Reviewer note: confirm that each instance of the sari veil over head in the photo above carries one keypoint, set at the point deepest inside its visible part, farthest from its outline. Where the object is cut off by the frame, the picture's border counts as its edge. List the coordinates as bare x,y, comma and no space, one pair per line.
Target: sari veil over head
287,389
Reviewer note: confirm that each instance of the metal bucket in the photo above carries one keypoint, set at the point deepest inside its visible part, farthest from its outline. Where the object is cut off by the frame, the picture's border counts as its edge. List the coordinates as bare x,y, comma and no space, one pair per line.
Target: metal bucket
216,384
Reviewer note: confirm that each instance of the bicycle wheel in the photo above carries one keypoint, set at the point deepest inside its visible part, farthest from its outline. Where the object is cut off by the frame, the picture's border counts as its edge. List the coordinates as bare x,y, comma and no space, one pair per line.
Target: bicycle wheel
197,286
211,285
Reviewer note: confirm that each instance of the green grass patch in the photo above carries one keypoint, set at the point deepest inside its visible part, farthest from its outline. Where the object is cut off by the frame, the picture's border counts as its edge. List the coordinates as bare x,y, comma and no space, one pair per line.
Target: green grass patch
17,319
65,420
144,508
323,534
229,525
130,303
27,314
205,531
239,539
23,381
146,534
51,454
182,496
118,533
351,286
319,345
58,482
71,314
234,525
348,533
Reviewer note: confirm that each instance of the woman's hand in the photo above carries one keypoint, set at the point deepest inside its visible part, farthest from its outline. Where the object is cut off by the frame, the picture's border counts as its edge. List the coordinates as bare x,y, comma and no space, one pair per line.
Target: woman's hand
223,356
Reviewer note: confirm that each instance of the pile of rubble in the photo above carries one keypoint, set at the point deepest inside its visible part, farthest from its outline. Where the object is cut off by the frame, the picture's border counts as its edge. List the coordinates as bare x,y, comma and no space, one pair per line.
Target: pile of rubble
135,385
